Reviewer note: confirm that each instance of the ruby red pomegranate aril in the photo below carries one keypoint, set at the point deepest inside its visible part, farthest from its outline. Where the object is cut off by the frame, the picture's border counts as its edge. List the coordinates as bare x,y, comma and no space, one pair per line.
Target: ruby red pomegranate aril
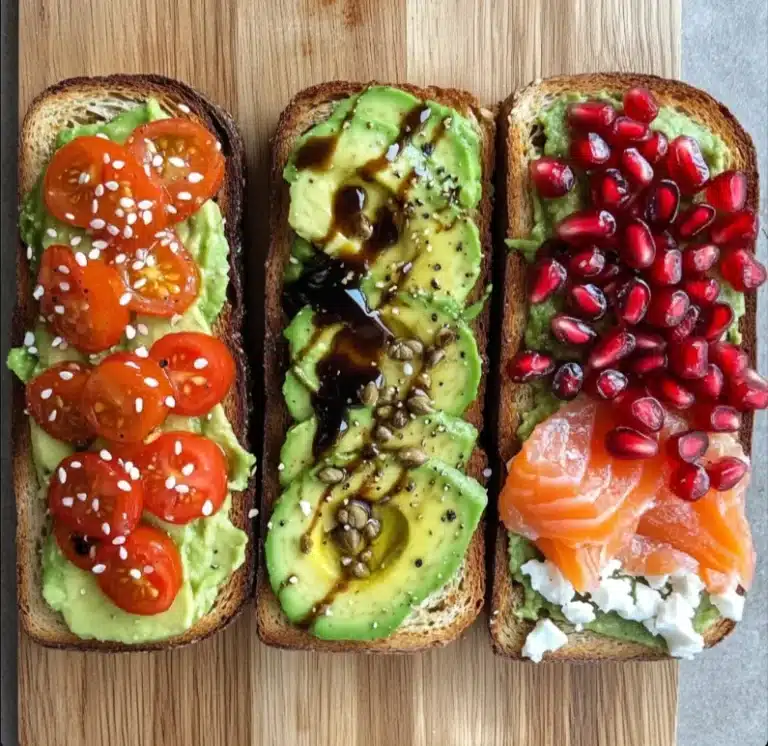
615,345
655,148
710,385
669,389
662,203
694,220
610,383
528,365
638,248
730,358
715,321
699,258
727,192
626,131
567,381
748,391
640,104
588,300
668,307
641,411
726,473
666,268
610,271
740,267
636,168
702,291
596,116
587,227
736,226
589,150
546,277
686,165
688,446
689,358
587,263
551,177
690,482
719,418
609,189
572,331
678,333
628,443
646,363
632,301
648,341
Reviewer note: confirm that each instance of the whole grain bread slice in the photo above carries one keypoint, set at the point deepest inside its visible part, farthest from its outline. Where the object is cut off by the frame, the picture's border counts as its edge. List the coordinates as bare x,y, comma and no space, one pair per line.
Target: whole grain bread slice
82,101
446,615
515,219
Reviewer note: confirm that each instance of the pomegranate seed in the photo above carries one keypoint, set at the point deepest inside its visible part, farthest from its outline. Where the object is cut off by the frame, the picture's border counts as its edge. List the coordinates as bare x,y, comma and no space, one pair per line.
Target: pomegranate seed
589,150
551,177
730,358
626,131
740,267
609,189
664,241
591,115
587,263
615,287
635,206
690,482
655,147
641,411
671,391
529,364
586,227
686,165
547,277
694,220
646,363
710,385
702,290
637,169
662,203
568,381
726,473
627,443
689,446
638,249
689,358
728,191
667,267
572,331
685,327
641,104
610,383
588,300
699,258
614,346
649,341
720,418
748,392
632,301
736,226
610,272
715,321
668,307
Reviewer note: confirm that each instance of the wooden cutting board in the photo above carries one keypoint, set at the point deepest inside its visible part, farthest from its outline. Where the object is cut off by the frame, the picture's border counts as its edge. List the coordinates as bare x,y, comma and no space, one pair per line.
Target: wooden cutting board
251,57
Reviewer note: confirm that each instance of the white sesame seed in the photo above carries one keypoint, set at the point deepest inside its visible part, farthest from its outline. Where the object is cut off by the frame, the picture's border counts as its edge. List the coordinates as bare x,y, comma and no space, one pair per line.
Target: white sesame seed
130,331
207,507
141,351
125,299
142,328
144,204
102,136
170,209
118,540
182,489
122,553
184,108
94,254
99,244
131,364
177,448
98,569
69,216
66,375
407,369
75,465
127,231
148,569
218,145
33,350
135,473
81,496
305,507
105,454
106,528
97,224
113,230
29,253
75,240
113,186
52,415
124,485
293,580
118,164
80,258
281,466
146,216
253,512
38,292
99,190
174,160
200,363
187,469
135,573
195,177
120,258
64,287
170,482
67,502
46,393
51,232
59,310
184,196
140,283
83,178
62,472
139,404
95,504
170,402
29,339
94,206
157,160
131,218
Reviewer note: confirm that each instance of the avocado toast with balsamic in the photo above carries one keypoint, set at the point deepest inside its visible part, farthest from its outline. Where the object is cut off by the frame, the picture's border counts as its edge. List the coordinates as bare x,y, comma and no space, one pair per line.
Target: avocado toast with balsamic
628,328
374,354
195,559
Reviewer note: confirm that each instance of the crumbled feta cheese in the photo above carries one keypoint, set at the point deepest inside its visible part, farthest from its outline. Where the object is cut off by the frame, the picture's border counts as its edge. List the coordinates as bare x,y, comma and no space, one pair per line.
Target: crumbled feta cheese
647,602
688,585
674,622
657,582
579,613
730,604
611,567
547,580
615,594
543,638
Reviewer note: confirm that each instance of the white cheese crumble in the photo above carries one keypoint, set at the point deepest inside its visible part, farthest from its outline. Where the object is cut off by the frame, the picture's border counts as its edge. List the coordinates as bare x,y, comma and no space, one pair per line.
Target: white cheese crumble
545,637
579,613
547,580
730,604
688,585
674,622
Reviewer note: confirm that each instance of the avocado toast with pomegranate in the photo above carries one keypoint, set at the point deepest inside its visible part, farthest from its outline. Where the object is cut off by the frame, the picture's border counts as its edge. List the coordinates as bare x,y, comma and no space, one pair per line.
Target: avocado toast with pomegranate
625,390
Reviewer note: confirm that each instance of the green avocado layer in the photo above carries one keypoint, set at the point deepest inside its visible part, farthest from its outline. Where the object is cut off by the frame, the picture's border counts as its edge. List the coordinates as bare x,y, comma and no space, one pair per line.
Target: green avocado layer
211,548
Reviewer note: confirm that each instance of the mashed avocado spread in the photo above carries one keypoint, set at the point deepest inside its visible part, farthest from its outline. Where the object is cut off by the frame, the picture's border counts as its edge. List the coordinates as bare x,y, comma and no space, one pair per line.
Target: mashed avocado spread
211,548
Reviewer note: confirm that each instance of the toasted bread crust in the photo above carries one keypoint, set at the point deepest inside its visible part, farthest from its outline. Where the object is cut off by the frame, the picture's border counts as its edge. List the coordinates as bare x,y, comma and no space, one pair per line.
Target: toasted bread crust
515,220
39,129
306,109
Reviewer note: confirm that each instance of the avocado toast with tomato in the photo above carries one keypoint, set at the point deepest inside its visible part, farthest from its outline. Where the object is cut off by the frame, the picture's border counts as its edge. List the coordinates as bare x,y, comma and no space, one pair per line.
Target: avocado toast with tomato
131,469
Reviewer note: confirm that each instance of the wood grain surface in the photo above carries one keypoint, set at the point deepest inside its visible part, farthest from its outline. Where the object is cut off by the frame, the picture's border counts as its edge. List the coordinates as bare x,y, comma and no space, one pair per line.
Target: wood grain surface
252,57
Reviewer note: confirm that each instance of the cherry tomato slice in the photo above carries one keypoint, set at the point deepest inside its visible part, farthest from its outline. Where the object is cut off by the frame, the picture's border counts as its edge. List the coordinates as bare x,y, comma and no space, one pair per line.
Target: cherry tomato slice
78,548
92,182
91,496
184,476
200,367
84,301
126,397
146,576
53,401
162,278
184,157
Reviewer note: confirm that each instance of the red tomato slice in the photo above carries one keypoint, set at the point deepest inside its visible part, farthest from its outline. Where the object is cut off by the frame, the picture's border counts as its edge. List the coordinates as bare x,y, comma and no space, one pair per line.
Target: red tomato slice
92,182
91,496
184,157
53,401
126,397
200,367
184,476
162,278
84,301
78,548
146,576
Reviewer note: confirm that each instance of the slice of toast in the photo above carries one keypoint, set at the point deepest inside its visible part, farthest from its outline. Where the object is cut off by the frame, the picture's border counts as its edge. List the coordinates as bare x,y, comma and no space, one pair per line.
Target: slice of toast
450,612
516,120
80,101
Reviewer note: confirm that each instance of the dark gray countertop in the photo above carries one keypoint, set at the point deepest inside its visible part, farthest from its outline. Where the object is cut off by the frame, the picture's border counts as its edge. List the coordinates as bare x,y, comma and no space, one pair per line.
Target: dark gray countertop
722,693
